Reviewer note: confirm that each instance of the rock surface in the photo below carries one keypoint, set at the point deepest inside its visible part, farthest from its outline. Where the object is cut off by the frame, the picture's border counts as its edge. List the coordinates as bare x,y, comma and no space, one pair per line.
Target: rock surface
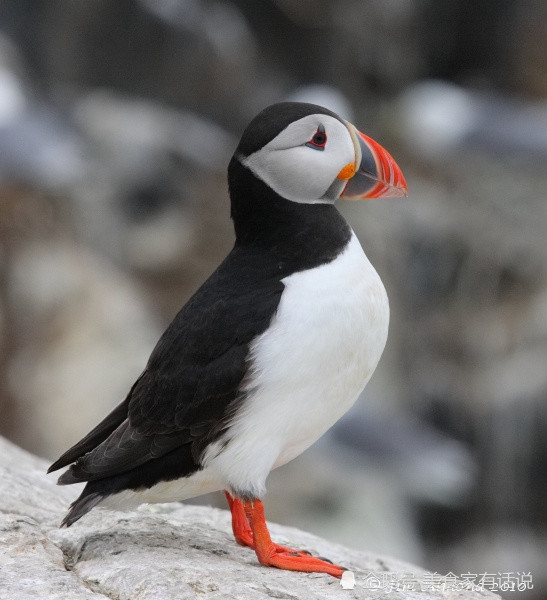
161,552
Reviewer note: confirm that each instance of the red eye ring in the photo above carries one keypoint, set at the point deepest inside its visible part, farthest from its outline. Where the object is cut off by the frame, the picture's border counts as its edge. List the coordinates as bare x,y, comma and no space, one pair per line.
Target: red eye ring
318,140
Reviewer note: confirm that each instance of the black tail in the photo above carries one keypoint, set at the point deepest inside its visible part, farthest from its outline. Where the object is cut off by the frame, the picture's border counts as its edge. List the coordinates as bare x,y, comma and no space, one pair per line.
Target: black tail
94,437
81,506
68,477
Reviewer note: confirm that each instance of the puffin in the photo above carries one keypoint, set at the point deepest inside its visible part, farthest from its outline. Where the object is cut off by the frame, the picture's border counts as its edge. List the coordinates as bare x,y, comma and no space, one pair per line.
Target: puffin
273,348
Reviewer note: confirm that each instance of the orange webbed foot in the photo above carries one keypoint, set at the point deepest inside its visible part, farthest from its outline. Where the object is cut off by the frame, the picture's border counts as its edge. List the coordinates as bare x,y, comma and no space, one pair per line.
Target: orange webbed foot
250,529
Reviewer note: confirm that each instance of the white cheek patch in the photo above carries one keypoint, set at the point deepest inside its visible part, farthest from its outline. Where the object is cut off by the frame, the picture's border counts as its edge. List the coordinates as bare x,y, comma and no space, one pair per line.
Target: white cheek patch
299,173
287,172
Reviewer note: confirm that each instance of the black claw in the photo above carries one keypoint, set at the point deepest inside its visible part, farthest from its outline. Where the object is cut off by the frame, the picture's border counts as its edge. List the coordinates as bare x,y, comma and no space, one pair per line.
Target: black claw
326,560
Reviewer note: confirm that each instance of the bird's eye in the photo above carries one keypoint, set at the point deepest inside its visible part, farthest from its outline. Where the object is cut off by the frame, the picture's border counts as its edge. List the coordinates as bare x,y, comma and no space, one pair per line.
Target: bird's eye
318,140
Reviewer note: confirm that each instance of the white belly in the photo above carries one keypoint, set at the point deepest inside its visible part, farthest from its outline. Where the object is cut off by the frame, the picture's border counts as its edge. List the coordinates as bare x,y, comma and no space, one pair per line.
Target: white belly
308,368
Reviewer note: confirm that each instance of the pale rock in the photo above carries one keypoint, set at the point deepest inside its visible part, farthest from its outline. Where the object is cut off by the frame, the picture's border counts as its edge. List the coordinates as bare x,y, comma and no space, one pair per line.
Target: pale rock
159,552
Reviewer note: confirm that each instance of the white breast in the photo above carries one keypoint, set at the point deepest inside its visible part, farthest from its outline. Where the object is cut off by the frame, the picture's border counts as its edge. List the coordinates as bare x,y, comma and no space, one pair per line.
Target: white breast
308,368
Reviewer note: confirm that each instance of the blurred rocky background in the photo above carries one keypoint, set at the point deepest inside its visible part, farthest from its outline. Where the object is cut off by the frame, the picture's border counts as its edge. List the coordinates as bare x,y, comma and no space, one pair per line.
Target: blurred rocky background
117,120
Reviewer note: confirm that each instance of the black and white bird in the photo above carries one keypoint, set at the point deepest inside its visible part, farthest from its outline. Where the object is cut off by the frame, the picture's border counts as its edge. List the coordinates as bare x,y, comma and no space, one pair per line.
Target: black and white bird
272,349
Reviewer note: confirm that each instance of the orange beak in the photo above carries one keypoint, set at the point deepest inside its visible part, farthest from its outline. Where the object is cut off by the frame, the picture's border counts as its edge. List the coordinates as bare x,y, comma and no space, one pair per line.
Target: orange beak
375,173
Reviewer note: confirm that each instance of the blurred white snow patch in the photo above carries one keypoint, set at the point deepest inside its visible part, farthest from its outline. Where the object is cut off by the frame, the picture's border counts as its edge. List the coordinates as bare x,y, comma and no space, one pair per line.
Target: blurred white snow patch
86,334
12,93
446,477
222,24
324,95
38,145
436,116
439,118
139,126
12,97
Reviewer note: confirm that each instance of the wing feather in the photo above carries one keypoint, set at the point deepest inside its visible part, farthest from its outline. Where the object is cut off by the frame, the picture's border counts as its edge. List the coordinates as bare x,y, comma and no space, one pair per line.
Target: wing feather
189,389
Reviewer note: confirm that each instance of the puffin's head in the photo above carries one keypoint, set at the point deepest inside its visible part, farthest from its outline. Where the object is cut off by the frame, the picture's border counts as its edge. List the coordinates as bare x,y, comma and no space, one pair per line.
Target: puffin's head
308,154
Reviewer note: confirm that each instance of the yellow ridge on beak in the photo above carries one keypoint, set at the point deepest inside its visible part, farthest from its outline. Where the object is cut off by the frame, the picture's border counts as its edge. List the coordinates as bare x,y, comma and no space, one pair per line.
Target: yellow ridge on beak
347,172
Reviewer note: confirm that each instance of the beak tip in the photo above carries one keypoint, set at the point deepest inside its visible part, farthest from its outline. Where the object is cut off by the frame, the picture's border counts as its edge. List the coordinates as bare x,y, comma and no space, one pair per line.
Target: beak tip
402,190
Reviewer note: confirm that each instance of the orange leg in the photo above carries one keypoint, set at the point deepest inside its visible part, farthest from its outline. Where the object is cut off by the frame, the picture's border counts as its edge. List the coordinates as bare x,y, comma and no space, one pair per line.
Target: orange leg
250,529
240,525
